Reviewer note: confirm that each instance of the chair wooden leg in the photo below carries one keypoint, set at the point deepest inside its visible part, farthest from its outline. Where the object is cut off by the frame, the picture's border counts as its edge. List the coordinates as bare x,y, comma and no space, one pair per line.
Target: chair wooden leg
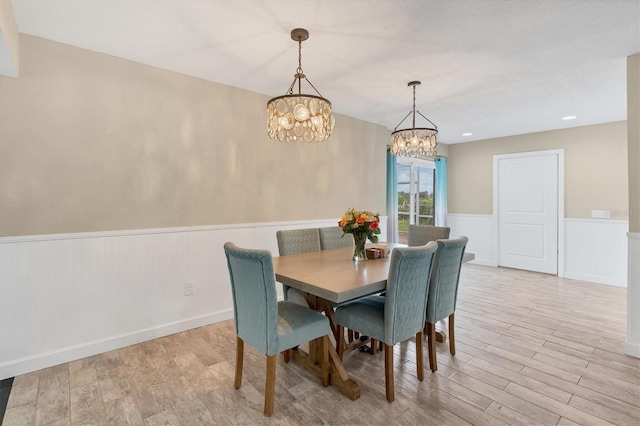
350,335
452,342
388,372
373,346
324,361
287,355
431,332
239,361
340,342
419,356
270,386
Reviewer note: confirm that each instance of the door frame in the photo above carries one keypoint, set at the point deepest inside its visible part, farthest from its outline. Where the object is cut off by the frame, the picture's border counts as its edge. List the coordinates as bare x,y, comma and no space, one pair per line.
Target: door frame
496,201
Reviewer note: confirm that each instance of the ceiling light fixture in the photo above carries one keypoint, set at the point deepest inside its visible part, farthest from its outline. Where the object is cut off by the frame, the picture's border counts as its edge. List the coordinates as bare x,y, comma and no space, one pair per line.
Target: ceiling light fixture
569,117
299,117
415,141
467,134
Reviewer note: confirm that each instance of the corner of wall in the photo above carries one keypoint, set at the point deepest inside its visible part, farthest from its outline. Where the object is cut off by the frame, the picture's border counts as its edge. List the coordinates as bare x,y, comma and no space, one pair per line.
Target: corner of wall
632,344
9,41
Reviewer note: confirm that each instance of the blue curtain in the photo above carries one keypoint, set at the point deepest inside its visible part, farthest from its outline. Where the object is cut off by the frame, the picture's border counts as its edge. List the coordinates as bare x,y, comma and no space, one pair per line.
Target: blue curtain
392,198
441,192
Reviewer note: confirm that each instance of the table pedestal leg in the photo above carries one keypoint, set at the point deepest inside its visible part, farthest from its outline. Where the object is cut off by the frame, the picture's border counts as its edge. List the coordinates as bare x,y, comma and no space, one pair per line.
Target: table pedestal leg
338,376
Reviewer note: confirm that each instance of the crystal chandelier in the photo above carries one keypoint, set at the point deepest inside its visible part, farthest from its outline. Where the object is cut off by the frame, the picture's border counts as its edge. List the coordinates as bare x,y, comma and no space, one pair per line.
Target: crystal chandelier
416,141
299,117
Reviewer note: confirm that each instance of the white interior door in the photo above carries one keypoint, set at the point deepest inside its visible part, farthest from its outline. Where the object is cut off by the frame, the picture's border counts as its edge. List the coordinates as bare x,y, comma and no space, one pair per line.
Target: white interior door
528,212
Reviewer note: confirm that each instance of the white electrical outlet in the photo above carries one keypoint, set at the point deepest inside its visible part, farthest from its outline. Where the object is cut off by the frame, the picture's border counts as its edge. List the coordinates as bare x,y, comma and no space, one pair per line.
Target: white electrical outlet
188,288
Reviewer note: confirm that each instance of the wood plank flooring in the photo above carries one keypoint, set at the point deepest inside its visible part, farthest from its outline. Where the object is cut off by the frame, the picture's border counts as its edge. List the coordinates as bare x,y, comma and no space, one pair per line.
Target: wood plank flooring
531,349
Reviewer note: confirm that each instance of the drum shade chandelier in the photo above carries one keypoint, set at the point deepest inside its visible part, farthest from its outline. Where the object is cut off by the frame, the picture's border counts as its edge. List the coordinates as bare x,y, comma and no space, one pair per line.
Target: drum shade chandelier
415,141
299,117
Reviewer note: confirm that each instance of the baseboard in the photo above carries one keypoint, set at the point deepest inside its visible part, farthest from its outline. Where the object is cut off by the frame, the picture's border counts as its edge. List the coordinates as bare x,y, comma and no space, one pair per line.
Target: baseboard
632,349
595,279
483,262
49,359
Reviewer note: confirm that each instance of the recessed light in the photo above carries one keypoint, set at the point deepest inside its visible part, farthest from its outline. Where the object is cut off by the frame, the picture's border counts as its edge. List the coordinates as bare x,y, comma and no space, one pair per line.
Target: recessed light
467,134
570,117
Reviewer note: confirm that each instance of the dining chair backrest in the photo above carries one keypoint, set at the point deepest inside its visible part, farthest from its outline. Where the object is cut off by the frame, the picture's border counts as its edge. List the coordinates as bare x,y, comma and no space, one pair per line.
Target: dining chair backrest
419,235
255,303
295,241
445,277
407,291
332,237
398,316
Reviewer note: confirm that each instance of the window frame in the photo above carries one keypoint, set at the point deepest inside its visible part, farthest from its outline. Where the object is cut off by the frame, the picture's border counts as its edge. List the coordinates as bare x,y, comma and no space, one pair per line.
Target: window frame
414,164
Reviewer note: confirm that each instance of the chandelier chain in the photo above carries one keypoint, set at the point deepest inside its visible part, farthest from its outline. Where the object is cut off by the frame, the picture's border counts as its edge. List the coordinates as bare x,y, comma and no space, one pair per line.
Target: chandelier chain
299,70
414,106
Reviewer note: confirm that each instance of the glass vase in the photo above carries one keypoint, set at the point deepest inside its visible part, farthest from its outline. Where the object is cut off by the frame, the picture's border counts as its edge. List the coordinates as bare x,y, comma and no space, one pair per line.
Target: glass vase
359,253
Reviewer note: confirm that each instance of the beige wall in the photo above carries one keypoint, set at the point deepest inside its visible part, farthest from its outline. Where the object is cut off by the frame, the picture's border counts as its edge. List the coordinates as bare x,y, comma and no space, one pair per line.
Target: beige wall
89,142
595,169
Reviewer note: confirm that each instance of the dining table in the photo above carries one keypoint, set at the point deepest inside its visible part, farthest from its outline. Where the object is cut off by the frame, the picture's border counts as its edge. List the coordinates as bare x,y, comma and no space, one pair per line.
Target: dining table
328,278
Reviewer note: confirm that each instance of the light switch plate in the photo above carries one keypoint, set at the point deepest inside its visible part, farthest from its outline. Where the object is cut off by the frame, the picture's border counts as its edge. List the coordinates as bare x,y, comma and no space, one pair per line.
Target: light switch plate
601,214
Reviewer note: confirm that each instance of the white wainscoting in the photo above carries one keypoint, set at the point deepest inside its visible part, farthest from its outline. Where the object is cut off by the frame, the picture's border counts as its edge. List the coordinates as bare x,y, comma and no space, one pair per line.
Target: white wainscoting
594,250
479,229
65,297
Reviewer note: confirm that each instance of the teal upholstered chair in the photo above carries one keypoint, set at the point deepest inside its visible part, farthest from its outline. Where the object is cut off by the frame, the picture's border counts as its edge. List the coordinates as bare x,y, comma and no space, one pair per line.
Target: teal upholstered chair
332,237
263,322
295,241
443,292
398,316
419,235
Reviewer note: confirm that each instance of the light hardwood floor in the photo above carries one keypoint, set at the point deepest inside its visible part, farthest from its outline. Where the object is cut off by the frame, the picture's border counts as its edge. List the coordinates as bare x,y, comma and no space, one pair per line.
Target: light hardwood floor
531,349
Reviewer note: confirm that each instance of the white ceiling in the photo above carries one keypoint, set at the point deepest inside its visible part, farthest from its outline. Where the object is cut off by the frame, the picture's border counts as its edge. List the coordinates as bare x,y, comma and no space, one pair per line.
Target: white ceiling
490,67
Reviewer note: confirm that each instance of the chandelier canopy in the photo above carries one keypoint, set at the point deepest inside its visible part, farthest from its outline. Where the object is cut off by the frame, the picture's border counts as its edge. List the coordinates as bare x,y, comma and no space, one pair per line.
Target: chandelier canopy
415,141
296,117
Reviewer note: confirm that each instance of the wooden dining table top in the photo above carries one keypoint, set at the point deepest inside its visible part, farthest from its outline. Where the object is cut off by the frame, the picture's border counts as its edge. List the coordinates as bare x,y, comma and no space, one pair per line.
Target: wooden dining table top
333,274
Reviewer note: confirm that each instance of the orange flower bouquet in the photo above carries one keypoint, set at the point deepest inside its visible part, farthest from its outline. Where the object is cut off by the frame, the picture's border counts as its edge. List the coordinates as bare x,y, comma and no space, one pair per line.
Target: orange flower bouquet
363,225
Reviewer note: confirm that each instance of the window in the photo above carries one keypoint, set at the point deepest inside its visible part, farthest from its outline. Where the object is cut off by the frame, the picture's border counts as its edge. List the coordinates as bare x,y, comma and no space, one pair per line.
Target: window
416,185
